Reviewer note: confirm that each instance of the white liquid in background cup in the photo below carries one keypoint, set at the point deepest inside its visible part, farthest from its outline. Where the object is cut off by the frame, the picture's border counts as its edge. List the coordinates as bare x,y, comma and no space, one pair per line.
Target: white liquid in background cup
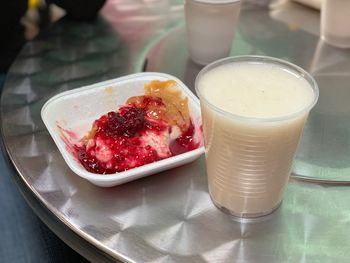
210,27
254,109
335,22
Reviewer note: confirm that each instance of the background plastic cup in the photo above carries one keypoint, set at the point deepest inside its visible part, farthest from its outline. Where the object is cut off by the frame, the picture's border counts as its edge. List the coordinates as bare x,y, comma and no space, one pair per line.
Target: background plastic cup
335,22
249,159
210,28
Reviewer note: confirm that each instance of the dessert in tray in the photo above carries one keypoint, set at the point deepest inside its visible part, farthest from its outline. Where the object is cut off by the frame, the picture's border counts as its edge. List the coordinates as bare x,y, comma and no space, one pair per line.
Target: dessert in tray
116,131
146,129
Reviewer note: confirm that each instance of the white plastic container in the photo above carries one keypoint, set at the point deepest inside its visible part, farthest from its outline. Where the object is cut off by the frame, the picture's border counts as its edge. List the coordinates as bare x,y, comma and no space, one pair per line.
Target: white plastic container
68,116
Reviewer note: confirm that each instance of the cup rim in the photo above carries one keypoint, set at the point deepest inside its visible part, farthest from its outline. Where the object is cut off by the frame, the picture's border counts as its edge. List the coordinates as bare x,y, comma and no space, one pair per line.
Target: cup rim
263,59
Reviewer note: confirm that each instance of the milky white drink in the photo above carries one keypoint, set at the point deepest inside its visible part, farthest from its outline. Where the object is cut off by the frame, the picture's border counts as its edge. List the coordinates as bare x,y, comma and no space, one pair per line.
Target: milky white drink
254,109
210,26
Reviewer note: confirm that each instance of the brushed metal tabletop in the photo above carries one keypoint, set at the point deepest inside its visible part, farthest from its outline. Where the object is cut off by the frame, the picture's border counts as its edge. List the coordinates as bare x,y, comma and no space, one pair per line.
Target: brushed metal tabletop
168,217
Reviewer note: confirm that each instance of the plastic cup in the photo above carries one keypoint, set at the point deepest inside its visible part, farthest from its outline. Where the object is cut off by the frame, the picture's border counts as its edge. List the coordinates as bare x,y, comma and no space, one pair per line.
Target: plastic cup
210,27
335,21
249,156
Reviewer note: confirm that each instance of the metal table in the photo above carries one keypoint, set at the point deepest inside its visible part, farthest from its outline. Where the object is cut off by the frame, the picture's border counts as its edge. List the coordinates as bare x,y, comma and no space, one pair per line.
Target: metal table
168,217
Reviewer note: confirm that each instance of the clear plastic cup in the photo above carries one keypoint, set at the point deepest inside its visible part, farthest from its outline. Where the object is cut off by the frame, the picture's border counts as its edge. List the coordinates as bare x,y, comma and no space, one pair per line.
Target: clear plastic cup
210,27
249,156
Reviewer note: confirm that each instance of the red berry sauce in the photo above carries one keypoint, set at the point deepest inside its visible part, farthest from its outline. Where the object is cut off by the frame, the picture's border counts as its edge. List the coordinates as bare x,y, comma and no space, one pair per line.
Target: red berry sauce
185,142
129,138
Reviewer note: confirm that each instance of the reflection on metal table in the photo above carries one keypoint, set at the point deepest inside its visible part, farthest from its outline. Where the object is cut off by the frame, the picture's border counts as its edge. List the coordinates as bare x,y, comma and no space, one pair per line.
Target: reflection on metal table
168,217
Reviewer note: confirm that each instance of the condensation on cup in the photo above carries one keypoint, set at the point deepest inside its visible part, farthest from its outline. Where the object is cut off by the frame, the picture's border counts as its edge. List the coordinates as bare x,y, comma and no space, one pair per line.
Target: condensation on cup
335,22
210,27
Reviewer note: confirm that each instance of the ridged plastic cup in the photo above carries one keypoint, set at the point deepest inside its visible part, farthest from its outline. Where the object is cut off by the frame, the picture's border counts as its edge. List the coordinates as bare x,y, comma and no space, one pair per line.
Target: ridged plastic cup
249,159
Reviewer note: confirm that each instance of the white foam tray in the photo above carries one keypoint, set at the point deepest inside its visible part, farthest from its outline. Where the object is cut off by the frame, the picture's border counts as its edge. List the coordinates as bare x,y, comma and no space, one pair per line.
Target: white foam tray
68,116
